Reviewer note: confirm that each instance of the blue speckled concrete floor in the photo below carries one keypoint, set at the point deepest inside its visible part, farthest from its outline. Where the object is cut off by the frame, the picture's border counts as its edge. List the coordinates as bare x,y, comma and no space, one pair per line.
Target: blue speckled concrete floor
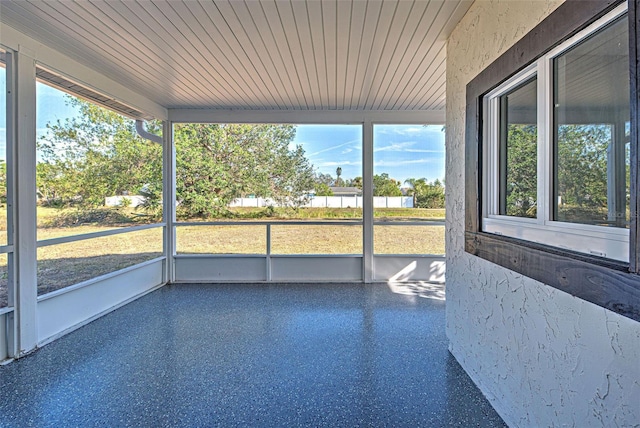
343,355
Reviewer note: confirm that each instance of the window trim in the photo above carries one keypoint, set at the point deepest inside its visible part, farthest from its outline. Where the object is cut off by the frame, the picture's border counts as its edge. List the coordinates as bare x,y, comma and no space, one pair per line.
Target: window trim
610,242
611,284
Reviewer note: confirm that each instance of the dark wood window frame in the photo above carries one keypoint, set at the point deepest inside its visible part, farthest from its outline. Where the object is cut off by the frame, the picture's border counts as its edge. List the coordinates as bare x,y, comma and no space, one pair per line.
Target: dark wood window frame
608,283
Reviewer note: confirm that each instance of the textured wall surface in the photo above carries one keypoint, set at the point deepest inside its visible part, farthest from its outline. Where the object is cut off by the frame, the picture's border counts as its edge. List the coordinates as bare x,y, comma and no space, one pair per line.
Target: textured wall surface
543,357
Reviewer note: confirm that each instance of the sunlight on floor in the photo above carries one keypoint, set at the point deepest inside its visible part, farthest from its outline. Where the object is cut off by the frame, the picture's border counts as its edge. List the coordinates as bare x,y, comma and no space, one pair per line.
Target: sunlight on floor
427,290
401,283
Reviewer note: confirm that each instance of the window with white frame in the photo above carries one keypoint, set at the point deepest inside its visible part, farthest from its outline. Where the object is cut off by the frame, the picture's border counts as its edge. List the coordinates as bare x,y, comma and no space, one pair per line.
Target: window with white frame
557,146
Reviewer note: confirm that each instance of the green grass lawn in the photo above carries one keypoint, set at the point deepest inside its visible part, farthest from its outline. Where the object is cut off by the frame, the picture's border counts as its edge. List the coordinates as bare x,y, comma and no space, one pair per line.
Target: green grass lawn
62,265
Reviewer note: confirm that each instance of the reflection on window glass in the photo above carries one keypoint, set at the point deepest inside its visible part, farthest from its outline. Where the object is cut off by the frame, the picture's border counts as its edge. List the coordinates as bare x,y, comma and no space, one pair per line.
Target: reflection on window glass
233,239
316,239
62,265
93,171
408,168
591,99
274,171
519,151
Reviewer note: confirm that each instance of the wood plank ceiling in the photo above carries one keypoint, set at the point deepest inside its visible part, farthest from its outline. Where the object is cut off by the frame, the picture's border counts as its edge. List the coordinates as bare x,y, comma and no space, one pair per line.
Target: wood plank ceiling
272,54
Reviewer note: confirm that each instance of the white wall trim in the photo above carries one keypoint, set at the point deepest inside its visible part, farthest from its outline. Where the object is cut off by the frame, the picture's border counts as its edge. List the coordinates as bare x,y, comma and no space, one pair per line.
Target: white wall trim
409,117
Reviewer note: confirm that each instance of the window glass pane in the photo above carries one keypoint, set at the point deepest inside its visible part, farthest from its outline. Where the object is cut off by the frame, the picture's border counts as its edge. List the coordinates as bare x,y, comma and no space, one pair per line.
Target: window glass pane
270,172
408,168
93,171
591,100
519,151
408,186
62,265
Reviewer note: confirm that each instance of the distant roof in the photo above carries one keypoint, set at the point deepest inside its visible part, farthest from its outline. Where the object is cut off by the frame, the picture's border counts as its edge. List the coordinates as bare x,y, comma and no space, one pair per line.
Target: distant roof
349,190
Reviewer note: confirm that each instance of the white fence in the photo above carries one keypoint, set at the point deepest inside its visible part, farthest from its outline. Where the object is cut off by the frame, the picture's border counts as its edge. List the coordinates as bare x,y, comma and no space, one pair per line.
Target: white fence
333,202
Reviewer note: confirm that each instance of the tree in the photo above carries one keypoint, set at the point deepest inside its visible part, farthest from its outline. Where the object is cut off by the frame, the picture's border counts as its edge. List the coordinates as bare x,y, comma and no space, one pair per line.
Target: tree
339,181
3,181
521,183
99,154
216,163
385,186
356,182
95,155
425,194
323,190
324,179
581,171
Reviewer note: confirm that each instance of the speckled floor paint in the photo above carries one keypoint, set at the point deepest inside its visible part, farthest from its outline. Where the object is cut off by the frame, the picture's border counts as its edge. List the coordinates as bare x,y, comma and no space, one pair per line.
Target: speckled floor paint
344,355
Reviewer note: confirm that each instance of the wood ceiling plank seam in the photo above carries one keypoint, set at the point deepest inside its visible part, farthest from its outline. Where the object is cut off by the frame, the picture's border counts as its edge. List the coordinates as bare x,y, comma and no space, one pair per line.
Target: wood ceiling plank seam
400,15
447,15
276,34
297,48
342,49
278,31
368,35
353,58
434,70
435,86
260,21
143,70
316,35
248,39
217,81
167,24
401,49
316,26
30,20
418,62
329,50
187,73
418,47
236,89
242,63
440,105
329,22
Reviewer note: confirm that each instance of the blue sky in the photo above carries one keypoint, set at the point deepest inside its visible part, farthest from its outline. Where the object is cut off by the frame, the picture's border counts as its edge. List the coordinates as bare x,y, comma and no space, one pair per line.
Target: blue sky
402,151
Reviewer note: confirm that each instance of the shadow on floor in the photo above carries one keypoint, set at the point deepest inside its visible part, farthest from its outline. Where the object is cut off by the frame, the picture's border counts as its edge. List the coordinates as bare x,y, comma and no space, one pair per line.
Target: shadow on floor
251,355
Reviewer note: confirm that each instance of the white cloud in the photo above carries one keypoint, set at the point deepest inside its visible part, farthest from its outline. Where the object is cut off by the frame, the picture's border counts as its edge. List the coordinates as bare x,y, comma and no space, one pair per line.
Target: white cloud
395,147
423,151
332,163
332,147
392,163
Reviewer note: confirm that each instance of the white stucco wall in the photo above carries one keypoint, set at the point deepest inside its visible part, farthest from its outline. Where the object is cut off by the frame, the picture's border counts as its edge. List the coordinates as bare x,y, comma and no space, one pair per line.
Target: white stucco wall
541,356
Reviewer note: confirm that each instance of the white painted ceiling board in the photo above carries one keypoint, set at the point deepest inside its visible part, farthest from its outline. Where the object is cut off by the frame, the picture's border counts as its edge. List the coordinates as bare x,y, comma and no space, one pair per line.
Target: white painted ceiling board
249,54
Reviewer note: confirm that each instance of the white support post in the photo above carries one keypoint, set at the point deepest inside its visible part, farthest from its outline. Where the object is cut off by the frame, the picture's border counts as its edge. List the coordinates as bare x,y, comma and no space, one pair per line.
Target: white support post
269,253
24,209
367,201
12,339
169,199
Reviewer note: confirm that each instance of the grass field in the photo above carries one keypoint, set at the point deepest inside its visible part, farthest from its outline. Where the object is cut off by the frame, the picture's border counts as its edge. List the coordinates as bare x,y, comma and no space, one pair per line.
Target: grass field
66,264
